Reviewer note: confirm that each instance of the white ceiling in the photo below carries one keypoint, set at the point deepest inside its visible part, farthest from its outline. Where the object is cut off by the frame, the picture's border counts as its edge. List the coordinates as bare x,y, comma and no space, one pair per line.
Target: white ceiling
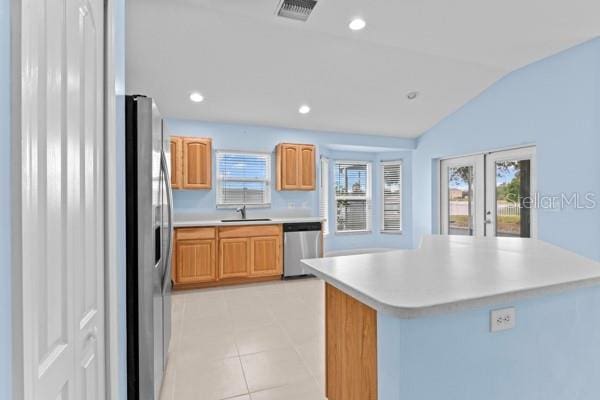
254,67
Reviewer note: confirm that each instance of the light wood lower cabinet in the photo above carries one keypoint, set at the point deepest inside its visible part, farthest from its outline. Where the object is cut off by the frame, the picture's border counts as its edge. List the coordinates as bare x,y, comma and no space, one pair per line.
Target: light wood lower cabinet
194,256
265,256
195,261
235,257
225,255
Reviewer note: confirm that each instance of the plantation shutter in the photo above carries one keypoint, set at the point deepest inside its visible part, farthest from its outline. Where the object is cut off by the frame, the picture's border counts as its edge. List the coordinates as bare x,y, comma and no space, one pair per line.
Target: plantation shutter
391,172
243,179
353,196
324,201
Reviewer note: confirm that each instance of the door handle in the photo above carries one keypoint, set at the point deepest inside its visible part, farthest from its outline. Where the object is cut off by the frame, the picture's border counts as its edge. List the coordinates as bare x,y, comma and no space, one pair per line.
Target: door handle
486,219
92,335
167,180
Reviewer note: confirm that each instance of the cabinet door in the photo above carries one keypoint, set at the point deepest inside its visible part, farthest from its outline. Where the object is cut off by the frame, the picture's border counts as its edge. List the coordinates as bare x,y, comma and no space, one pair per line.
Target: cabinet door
265,257
176,162
306,168
234,257
289,167
197,162
195,261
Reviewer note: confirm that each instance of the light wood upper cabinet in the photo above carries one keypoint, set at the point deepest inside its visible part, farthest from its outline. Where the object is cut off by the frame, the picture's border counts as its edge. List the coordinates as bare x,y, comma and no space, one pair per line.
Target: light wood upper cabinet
287,164
195,256
307,167
176,151
265,256
296,167
234,257
197,163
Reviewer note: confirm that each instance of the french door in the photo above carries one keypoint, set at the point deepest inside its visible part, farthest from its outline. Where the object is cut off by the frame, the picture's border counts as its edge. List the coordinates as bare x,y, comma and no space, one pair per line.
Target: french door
510,185
462,193
489,194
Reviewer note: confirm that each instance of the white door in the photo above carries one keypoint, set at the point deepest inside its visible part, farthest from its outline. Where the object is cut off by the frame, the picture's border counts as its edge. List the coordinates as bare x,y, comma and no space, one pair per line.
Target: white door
462,196
510,188
63,199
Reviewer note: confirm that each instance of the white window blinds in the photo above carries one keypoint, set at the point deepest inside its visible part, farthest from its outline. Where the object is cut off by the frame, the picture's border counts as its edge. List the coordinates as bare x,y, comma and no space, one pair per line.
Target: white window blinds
324,201
243,179
391,214
353,196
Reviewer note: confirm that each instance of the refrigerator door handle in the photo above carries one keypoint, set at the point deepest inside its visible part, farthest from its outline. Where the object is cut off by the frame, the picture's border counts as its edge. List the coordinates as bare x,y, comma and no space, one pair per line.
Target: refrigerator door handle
167,180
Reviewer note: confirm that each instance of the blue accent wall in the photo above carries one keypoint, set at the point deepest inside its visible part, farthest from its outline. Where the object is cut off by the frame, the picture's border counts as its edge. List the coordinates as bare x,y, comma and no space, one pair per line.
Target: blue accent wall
554,104
551,354
5,222
264,139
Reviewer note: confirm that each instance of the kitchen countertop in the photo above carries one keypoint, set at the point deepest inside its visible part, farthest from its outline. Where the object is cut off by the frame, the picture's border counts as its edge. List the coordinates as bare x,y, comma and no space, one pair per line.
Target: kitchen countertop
190,223
451,273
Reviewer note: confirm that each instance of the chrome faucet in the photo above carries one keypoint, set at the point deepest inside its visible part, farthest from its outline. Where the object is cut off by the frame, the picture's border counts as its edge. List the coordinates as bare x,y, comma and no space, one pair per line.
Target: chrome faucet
242,210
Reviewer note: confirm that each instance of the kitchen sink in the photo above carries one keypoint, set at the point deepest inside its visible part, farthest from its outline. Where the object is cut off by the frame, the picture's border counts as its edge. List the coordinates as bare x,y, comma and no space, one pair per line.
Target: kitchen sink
246,220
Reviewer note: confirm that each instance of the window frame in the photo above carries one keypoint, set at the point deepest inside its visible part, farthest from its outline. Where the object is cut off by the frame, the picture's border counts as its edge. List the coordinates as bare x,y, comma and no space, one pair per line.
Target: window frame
382,165
368,198
267,180
324,194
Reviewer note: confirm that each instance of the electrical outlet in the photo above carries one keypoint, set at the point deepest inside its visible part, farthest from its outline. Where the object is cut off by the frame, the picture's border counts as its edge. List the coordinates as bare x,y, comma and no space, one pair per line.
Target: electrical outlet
501,320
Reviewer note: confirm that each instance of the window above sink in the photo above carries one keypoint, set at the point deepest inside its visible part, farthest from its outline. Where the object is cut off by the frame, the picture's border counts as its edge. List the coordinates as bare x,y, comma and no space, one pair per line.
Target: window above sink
243,178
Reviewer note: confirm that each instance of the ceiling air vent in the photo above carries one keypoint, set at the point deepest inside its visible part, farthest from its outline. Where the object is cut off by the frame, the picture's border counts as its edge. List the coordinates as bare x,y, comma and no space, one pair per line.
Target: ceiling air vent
296,9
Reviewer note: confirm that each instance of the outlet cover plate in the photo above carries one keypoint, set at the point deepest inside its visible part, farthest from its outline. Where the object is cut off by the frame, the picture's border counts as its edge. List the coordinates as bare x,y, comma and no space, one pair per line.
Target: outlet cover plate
503,319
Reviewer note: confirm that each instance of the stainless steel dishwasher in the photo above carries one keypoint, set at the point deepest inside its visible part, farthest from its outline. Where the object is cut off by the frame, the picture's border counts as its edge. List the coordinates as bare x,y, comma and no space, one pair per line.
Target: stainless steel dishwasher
300,240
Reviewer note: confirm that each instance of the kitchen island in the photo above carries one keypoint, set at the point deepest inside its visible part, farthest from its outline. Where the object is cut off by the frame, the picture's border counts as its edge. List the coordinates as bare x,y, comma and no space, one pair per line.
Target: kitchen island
416,324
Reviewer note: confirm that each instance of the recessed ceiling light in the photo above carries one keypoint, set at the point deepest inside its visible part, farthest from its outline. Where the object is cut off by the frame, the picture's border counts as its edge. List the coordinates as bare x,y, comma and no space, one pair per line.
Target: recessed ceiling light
412,95
304,109
357,24
196,97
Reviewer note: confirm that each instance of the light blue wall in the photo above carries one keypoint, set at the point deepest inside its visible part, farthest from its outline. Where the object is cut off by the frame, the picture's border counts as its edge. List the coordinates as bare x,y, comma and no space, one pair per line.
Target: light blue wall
455,357
555,104
257,138
5,223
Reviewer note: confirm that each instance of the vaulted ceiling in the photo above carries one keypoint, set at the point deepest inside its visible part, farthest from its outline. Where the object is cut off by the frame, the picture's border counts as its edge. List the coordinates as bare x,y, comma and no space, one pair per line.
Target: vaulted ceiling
254,67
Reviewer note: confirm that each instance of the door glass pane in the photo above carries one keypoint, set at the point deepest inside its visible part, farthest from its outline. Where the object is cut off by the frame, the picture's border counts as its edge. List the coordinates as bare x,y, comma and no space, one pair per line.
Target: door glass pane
513,190
461,204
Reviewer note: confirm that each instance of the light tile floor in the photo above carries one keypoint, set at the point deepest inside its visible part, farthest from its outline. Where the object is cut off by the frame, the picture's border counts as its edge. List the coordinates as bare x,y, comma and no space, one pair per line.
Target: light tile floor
252,342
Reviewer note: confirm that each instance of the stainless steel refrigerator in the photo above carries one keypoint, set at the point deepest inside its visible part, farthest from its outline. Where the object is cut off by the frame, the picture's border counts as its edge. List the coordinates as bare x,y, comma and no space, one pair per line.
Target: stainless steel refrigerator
149,234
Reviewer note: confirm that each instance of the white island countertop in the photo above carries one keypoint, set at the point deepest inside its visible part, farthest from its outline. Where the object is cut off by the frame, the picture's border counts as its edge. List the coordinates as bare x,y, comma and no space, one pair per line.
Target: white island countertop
185,222
451,273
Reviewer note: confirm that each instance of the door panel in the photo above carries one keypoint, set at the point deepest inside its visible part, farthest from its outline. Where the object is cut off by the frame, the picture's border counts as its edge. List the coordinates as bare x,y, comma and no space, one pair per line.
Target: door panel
234,257
175,160
307,167
197,161
290,176
510,183
196,261
265,256
462,196
62,194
